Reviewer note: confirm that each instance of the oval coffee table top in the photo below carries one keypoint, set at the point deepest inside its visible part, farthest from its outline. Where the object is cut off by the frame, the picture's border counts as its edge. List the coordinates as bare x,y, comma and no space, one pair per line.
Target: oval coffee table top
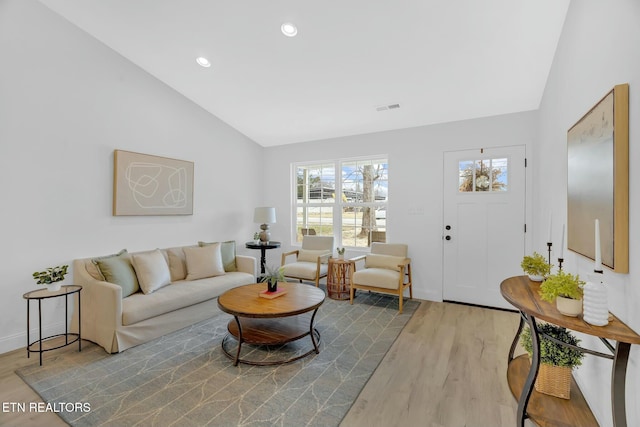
245,301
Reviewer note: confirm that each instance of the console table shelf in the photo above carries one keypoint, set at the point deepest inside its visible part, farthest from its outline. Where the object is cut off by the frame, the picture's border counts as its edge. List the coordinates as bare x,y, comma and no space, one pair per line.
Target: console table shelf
544,410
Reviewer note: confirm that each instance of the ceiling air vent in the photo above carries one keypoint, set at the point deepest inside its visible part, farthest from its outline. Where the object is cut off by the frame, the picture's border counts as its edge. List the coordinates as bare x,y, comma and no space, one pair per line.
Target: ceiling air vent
387,107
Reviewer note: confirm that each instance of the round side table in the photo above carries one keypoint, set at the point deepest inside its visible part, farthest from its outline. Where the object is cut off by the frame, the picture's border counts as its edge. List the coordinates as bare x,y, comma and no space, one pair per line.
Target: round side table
339,278
42,294
263,249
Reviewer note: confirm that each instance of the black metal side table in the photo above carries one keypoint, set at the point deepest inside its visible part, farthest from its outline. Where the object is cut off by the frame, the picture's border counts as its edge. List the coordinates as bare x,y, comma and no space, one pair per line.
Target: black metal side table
263,248
41,294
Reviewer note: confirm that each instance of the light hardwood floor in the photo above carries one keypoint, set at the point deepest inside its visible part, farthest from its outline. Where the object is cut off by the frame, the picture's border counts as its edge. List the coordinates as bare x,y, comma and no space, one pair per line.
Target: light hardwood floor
446,369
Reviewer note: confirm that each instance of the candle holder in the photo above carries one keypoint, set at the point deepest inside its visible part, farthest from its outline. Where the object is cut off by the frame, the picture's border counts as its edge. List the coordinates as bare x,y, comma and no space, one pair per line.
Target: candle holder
549,244
560,261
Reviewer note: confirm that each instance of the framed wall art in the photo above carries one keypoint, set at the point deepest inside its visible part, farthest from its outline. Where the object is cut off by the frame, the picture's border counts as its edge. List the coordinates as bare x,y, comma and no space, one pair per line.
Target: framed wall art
598,180
151,185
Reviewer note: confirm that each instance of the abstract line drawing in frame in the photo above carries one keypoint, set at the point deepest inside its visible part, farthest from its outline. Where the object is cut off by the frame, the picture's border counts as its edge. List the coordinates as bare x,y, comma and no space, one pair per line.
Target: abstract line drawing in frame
144,184
598,180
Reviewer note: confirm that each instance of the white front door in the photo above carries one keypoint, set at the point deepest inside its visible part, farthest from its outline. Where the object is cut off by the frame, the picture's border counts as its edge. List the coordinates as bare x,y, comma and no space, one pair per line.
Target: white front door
484,223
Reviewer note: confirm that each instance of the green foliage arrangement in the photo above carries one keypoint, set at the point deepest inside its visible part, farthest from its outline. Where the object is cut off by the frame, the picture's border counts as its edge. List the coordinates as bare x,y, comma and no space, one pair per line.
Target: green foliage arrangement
561,284
340,251
272,275
256,236
552,353
535,265
50,275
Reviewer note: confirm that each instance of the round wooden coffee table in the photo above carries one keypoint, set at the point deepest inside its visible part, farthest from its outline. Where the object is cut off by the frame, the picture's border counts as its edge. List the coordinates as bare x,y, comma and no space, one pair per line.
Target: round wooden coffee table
261,321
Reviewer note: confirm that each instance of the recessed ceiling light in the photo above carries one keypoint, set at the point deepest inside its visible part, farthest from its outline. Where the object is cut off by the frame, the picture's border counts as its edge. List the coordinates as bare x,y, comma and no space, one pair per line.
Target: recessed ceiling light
204,62
288,29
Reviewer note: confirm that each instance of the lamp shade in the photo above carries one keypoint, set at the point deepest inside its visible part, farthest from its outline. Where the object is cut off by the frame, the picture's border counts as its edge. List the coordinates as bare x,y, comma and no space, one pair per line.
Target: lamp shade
264,215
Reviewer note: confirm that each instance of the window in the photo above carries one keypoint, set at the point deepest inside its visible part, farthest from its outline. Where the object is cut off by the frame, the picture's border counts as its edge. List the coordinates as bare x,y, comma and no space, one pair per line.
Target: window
488,175
346,199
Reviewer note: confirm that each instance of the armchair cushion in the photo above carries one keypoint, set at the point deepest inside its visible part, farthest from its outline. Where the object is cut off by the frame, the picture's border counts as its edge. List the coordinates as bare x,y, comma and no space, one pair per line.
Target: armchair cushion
304,270
377,277
389,262
311,255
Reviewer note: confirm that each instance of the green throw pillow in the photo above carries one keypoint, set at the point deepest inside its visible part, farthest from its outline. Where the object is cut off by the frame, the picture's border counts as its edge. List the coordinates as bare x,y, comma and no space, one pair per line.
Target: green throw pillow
117,269
228,252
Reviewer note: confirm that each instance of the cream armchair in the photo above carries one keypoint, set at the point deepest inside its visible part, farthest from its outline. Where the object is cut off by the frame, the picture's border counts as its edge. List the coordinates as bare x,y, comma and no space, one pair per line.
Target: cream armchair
387,269
311,260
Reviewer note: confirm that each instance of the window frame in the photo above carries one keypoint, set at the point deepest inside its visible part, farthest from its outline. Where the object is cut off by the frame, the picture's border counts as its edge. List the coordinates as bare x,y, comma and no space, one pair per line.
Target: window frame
339,203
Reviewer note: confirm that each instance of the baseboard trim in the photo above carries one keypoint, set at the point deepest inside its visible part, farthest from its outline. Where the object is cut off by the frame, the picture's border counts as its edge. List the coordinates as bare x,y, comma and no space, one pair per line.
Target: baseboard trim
19,340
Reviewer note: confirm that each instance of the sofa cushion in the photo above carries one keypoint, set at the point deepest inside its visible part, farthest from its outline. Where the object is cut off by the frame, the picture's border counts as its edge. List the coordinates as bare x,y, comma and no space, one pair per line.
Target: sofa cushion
228,253
177,263
117,269
311,255
389,262
139,307
204,261
151,269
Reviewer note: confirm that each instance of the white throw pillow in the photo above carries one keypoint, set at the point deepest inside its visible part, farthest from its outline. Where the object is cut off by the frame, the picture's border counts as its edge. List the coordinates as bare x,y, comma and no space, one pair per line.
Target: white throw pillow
204,261
311,255
389,262
152,270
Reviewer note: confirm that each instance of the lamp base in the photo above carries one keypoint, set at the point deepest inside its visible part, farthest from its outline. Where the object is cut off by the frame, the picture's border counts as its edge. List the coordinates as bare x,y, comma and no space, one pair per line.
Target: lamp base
265,235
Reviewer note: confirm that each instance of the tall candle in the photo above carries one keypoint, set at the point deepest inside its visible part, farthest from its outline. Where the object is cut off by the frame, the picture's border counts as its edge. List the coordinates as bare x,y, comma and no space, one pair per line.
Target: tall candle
549,240
562,243
598,266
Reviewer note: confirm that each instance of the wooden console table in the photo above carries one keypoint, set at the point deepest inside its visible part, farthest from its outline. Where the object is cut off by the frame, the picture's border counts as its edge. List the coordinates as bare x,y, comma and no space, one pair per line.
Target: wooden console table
545,410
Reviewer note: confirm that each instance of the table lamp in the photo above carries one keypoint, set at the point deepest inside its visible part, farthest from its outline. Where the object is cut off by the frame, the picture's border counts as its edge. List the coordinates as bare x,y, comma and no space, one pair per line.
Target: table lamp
264,216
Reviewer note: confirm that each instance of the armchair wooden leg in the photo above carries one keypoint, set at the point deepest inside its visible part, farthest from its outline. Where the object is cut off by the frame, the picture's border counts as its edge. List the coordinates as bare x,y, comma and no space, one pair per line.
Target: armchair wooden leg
351,292
400,302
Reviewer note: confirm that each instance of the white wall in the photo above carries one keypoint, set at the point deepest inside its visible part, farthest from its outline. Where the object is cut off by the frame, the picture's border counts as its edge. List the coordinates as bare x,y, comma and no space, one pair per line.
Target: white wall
598,49
414,214
66,102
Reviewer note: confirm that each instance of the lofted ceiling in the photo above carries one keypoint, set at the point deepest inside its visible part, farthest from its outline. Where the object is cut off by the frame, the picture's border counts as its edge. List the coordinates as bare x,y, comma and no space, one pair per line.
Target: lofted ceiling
440,60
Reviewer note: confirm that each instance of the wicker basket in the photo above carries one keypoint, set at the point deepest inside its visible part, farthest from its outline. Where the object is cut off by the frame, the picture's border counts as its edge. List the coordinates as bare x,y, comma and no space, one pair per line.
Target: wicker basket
554,380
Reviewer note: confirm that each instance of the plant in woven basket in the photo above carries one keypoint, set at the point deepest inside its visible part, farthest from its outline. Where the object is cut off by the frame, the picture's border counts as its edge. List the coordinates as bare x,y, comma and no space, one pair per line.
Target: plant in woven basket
552,353
556,360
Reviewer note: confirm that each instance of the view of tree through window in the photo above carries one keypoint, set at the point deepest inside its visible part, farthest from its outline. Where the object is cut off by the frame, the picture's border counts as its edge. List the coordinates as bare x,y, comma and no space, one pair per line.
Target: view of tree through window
482,175
350,205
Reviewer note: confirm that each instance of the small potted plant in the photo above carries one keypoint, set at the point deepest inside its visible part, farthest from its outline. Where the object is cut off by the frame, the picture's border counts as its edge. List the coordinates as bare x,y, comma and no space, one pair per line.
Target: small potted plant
340,253
566,290
556,360
256,238
51,277
535,266
272,276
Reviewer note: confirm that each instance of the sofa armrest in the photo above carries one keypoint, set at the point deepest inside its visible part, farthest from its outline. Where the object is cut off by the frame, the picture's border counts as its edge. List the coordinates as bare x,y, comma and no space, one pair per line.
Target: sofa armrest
101,308
247,264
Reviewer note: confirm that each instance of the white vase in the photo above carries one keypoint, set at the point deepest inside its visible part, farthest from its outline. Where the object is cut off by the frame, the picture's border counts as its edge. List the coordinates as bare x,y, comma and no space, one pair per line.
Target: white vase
569,307
596,310
536,278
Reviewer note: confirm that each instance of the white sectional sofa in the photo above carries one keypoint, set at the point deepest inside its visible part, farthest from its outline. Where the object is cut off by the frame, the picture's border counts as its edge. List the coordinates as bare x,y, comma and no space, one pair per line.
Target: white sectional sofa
131,298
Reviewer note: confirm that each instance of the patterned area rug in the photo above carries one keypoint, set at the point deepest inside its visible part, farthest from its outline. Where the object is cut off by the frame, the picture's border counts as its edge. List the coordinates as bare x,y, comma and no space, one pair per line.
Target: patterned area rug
184,379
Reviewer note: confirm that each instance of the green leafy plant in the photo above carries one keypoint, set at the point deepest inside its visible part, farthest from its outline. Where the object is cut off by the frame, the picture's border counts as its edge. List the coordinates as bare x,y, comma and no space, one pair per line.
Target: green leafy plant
535,265
272,275
552,353
561,284
256,236
340,251
50,275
